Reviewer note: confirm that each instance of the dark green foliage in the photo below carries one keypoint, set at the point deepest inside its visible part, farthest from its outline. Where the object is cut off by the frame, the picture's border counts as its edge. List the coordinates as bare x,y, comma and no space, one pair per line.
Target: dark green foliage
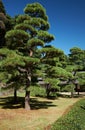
33,42
26,27
14,39
77,57
6,23
74,120
81,78
2,9
45,36
76,65
51,69
27,33
66,88
38,91
2,28
21,57
35,10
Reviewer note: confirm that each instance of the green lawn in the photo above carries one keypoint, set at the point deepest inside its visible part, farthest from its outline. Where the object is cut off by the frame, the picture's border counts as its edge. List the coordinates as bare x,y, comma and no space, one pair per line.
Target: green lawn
74,120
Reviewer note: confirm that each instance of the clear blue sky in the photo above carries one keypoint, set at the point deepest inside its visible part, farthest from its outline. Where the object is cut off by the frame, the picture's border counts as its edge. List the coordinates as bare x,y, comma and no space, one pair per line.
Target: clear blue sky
66,17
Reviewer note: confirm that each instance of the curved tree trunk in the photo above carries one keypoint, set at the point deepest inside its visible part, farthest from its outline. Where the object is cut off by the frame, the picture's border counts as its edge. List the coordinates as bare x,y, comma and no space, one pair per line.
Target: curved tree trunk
28,81
27,100
27,92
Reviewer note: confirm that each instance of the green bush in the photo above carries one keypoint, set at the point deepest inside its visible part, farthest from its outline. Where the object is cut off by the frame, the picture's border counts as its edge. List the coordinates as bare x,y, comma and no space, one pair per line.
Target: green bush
74,120
38,91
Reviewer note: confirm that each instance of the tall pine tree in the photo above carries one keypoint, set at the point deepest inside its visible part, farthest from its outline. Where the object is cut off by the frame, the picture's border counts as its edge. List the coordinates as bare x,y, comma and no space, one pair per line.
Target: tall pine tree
29,32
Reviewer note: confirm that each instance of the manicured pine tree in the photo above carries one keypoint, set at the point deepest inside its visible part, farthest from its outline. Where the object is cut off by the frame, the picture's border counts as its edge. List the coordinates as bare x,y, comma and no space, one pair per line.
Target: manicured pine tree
77,65
29,33
76,57
53,71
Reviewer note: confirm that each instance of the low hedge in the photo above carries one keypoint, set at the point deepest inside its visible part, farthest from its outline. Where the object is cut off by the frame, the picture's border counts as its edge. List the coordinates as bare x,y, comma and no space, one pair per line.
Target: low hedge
74,120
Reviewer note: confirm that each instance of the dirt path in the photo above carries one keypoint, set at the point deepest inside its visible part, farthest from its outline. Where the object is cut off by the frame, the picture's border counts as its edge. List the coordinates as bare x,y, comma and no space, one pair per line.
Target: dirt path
47,111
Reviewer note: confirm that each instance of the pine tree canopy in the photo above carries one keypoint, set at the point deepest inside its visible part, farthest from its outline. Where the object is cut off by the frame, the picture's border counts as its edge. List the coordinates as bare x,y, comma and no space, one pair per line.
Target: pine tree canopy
36,10
14,38
27,28
34,42
11,58
45,36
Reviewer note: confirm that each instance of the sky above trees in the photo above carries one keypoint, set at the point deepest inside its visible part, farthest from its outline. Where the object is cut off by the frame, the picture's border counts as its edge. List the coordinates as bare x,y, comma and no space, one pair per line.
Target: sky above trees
66,17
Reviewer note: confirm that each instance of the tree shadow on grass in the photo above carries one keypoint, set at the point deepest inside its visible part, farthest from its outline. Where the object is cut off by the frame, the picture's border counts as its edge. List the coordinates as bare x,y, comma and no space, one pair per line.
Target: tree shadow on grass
8,103
36,104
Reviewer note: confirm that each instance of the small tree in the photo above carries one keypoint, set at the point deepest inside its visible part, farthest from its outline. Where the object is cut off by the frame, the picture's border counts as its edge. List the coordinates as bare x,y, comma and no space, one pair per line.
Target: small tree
53,71
75,65
76,57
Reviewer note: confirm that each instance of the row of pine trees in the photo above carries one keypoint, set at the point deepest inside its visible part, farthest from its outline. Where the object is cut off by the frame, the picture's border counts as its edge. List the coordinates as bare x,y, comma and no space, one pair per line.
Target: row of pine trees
26,53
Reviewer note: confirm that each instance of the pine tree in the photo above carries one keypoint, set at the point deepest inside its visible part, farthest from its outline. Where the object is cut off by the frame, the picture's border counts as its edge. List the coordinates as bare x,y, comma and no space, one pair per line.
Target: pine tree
2,24
6,23
29,32
53,71
77,66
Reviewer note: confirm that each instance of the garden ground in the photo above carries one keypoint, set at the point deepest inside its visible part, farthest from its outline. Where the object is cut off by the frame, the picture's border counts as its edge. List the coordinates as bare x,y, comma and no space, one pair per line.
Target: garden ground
44,112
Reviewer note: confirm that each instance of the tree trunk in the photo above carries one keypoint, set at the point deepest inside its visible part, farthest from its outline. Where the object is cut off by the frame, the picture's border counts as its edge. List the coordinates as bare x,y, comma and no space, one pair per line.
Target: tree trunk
78,92
27,100
78,89
72,95
48,90
27,94
48,93
72,91
15,95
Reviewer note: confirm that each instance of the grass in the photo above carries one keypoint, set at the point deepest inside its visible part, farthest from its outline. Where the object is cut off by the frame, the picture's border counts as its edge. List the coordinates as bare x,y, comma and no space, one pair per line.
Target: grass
74,120
43,112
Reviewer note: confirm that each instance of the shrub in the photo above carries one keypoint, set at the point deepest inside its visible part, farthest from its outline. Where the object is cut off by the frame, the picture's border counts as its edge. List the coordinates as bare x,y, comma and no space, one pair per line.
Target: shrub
74,120
38,91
